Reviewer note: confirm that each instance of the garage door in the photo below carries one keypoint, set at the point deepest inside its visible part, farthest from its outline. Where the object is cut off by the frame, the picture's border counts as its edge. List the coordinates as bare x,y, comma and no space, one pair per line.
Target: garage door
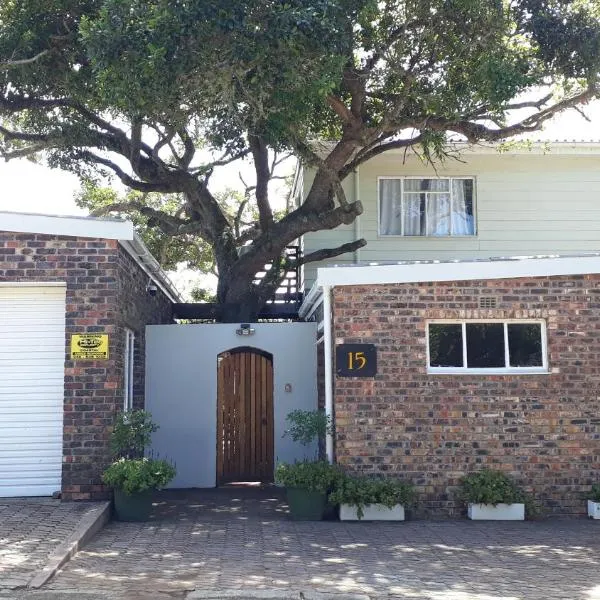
32,359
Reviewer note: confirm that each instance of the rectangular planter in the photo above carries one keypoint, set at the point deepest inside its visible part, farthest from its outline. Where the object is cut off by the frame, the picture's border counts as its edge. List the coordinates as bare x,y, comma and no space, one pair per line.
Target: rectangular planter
372,512
499,512
593,509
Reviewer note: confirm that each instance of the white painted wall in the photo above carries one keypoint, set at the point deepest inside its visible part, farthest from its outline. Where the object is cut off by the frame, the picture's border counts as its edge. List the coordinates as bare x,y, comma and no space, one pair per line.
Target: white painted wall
181,389
526,203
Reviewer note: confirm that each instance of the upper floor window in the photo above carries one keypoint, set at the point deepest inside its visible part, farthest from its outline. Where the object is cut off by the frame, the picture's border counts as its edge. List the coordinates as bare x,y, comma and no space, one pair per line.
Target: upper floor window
426,207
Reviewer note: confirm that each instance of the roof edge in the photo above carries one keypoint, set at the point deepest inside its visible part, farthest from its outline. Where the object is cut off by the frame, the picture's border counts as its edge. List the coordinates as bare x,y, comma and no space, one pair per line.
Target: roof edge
71,226
493,268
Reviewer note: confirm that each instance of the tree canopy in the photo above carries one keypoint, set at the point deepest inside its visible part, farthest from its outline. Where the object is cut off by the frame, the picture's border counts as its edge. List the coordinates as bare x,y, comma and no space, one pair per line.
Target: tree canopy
161,93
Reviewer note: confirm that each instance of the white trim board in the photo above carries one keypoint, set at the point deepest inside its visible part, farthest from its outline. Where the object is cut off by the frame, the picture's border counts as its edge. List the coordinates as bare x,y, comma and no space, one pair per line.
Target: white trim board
87,227
418,272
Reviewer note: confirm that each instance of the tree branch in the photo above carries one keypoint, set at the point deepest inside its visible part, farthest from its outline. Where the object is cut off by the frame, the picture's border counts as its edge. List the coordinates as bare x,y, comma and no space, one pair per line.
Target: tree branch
124,177
260,154
23,61
369,153
326,253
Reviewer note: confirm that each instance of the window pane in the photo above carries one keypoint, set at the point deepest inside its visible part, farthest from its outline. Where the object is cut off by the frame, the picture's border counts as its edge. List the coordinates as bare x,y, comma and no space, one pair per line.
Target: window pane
390,203
463,220
427,185
445,345
485,345
414,214
525,344
438,214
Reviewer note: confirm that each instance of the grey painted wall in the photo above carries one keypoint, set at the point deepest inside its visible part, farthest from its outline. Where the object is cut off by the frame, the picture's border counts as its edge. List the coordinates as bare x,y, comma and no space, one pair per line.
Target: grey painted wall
181,389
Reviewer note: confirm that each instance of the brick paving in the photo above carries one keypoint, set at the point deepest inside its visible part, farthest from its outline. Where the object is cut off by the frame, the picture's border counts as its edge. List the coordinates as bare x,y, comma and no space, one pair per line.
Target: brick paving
30,530
243,539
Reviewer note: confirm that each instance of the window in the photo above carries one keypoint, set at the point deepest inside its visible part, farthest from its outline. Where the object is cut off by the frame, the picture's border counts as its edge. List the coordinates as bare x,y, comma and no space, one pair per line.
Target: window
426,207
487,346
128,360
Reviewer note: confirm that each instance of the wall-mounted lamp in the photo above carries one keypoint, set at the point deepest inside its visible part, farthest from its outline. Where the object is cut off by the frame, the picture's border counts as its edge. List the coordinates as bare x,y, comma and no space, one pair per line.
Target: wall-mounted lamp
245,329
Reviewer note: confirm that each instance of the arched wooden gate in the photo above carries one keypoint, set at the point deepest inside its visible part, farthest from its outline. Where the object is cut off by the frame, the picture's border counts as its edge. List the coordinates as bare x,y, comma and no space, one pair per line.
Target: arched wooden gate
245,416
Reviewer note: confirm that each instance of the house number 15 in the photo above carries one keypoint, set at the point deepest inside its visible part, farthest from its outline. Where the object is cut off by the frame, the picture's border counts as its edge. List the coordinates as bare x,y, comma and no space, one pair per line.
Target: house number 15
356,360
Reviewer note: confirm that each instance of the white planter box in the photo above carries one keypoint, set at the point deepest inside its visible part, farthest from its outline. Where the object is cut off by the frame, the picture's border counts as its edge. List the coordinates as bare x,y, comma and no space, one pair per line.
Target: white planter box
500,512
372,512
593,509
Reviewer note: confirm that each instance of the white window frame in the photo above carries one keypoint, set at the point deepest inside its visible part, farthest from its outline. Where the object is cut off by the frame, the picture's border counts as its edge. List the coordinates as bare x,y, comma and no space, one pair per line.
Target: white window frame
128,368
413,237
507,369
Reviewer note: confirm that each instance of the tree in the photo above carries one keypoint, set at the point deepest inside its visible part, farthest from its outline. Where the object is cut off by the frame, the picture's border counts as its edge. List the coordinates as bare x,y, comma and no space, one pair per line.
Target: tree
162,93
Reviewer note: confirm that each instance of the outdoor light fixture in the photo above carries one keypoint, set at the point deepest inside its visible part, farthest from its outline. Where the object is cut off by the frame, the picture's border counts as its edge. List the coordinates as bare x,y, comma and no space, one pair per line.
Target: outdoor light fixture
245,329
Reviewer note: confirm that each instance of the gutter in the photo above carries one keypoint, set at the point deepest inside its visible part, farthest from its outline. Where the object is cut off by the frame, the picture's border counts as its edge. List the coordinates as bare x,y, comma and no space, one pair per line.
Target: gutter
142,256
311,301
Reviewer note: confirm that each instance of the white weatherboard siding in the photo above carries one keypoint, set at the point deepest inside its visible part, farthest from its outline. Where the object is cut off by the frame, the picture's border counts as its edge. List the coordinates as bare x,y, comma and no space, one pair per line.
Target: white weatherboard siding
526,204
32,358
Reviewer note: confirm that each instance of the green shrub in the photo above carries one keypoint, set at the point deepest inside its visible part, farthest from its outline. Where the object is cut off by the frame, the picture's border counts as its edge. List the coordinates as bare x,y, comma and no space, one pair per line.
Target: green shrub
314,476
131,433
307,425
594,493
490,487
138,475
361,491
131,472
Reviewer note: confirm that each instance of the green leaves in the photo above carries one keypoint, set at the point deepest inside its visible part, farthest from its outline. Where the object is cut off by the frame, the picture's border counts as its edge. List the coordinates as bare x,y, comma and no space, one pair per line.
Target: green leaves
306,426
314,476
361,491
490,487
132,433
131,472
138,475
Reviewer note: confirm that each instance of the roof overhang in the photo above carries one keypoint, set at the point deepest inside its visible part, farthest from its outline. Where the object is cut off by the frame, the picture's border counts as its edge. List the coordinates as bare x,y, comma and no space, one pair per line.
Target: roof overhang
457,270
88,227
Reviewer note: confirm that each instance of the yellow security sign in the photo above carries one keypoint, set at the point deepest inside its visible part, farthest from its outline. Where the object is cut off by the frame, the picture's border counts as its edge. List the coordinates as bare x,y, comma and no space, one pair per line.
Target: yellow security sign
90,346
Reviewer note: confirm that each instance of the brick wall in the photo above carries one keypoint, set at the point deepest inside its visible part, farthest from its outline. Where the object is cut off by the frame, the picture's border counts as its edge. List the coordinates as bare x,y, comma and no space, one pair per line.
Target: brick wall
432,429
105,292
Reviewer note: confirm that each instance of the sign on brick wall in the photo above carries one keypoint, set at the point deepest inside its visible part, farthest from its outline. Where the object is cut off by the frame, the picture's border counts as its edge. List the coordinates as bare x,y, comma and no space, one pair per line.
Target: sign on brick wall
356,360
89,346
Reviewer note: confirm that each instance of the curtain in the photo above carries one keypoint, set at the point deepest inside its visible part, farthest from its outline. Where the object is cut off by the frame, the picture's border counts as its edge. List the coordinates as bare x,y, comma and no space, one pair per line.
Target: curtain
463,222
428,207
438,207
390,205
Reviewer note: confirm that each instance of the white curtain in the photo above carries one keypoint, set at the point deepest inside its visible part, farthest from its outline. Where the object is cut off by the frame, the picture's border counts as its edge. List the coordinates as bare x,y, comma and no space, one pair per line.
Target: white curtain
390,206
438,207
427,207
463,222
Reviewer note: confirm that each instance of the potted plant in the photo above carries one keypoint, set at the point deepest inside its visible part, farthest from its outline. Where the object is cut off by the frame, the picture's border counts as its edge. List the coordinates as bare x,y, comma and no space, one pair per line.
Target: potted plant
133,476
493,495
593,503
372,499
307,482
307,485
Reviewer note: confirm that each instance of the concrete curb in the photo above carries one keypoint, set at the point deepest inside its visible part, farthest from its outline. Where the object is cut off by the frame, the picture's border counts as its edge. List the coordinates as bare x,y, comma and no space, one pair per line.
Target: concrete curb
90,524
272,595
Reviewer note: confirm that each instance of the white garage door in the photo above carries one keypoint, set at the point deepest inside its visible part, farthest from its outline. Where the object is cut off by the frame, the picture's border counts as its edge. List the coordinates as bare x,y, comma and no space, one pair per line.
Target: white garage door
32,360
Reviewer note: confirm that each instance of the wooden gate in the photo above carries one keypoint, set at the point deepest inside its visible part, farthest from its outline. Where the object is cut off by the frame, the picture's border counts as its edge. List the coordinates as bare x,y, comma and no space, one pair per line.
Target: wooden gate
245,416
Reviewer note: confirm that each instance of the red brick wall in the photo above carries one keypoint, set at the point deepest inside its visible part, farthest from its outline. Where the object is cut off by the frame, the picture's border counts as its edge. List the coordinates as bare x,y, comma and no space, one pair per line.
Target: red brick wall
432,429
105,293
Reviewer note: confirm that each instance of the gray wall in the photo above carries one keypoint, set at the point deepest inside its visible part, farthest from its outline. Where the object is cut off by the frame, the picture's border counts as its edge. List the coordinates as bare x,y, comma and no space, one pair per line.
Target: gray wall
181,389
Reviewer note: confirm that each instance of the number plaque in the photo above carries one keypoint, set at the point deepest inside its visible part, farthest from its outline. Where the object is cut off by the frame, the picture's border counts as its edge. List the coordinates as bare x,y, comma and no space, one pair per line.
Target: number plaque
356,360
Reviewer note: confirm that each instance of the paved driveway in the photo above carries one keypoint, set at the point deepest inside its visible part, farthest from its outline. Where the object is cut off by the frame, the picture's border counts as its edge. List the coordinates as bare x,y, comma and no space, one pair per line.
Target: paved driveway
31,530
244,540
